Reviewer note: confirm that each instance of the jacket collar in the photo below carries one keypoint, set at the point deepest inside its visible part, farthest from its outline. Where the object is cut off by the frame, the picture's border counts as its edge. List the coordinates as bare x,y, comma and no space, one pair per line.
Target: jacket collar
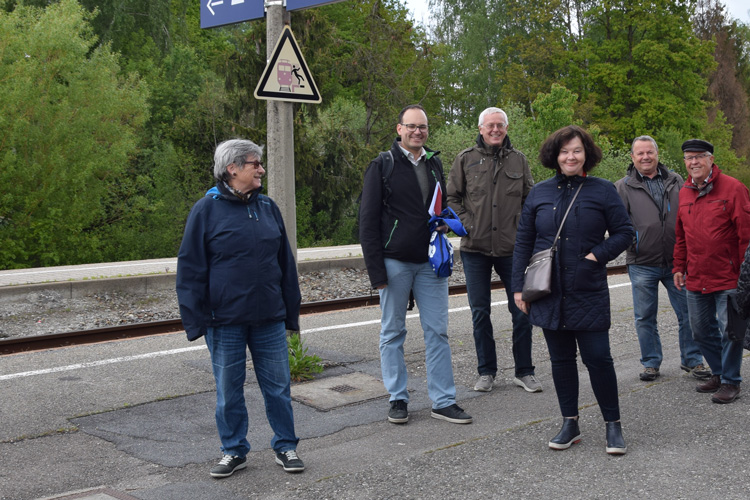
634,174
221,191
715,173
504,148
429,153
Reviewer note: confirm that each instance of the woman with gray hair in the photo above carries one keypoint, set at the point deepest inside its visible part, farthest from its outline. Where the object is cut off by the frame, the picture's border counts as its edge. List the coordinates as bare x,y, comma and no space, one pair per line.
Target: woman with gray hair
237,287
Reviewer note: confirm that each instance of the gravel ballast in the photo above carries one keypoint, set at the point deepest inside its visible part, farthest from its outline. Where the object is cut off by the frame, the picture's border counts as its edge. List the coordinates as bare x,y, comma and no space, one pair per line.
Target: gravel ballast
47,312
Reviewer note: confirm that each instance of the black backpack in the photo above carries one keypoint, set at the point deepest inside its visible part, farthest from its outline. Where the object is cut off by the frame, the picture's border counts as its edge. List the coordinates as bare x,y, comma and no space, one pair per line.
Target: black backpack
386,169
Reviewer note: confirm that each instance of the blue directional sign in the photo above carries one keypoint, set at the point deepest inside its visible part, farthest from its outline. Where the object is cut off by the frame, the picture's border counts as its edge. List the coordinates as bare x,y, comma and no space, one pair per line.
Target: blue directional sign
222,12
306,4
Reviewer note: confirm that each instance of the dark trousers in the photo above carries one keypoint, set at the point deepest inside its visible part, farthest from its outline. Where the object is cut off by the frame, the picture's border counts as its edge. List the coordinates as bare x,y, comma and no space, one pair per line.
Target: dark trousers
478,273
595,354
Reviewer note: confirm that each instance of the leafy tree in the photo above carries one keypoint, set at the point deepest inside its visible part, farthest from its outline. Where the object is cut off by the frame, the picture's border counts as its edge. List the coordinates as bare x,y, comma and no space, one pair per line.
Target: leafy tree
371,51
332,177
369,61
451,140
494,52
729,85
646,68
68,123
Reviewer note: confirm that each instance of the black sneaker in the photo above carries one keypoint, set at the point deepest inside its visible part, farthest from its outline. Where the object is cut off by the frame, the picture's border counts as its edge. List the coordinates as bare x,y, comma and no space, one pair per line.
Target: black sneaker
227,465
290,461
398,414
453,414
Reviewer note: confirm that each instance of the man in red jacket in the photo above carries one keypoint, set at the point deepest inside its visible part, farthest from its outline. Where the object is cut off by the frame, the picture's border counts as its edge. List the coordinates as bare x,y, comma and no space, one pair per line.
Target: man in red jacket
712,233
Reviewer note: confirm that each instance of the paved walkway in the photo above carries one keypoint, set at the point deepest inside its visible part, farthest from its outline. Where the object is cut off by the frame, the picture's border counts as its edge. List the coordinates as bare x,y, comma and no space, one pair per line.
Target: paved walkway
134,419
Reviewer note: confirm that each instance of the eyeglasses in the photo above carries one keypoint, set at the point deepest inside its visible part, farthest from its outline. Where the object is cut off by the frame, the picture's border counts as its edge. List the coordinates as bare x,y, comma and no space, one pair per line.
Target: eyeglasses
256,164
412,127
493,126
696,157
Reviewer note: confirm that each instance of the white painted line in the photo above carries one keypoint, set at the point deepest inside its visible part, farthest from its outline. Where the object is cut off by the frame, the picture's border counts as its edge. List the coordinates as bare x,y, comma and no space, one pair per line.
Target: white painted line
101,362
201,347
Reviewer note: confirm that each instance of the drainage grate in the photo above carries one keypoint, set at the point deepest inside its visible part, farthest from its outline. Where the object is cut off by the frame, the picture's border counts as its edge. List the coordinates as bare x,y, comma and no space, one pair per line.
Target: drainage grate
344,388
334,392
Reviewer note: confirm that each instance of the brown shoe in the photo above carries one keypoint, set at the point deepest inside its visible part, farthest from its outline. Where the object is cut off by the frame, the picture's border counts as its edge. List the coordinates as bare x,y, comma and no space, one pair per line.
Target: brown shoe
726,394
698,371
711,385
649,374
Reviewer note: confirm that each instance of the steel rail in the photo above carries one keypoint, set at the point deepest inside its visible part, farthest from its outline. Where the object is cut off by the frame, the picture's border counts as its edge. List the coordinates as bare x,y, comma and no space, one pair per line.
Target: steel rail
138,330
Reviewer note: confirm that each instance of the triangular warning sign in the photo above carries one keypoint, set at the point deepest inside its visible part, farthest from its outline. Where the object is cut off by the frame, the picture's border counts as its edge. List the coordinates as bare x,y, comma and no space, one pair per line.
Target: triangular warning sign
286,77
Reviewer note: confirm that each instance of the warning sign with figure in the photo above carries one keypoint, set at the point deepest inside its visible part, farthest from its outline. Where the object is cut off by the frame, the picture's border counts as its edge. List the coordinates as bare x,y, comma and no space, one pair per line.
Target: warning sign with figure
286,77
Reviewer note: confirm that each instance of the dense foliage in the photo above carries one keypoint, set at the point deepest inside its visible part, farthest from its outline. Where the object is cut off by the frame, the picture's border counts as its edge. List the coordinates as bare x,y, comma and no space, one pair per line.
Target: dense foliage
110,109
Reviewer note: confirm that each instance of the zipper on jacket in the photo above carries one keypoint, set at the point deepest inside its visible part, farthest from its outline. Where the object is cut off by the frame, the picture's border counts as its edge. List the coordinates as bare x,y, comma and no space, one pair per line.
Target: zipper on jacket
390,236
251,213
637,243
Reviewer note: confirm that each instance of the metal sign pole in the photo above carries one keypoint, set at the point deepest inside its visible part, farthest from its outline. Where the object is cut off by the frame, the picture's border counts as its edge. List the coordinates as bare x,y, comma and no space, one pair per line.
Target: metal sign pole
280,135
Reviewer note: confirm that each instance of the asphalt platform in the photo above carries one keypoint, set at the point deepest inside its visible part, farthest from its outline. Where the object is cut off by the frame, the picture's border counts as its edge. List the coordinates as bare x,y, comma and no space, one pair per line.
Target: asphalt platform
134,420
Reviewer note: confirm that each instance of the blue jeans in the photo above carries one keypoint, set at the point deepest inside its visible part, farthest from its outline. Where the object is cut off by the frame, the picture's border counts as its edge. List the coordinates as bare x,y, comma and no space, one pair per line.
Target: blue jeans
431,296
595,354
478,272
708,317
270,355
645,283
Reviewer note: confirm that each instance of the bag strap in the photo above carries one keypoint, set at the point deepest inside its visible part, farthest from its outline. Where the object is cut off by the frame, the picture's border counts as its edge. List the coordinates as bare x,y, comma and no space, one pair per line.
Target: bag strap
557,236
386,169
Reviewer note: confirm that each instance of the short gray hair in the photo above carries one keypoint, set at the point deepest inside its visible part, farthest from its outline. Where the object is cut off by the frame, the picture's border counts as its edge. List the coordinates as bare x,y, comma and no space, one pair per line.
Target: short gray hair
491,111
643,138
233,151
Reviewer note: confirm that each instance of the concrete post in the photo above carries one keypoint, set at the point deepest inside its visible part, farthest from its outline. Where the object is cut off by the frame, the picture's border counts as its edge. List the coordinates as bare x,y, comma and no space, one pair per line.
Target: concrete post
280,138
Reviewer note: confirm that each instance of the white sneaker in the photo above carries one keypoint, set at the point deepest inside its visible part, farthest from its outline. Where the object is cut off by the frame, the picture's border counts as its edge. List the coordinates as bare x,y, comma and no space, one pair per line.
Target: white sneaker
484,383
529,383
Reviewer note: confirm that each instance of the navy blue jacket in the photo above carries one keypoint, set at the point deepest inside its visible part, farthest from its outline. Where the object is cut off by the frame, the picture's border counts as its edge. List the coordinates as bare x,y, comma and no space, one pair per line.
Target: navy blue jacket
235,265
401,229
580,297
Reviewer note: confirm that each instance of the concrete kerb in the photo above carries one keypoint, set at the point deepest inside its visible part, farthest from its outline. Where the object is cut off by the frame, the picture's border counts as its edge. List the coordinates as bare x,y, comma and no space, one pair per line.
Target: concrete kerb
143,284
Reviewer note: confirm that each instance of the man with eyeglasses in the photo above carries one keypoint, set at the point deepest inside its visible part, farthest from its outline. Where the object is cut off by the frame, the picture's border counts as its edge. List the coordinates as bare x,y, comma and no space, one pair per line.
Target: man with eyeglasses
395,236
487,186
650,193
712,233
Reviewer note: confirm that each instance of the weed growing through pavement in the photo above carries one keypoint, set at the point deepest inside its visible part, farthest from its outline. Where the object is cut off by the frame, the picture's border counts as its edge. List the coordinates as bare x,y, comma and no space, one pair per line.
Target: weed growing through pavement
301,365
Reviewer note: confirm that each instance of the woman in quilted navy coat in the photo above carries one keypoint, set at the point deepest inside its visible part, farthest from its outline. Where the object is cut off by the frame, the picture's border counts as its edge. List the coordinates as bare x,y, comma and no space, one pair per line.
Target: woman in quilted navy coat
576,315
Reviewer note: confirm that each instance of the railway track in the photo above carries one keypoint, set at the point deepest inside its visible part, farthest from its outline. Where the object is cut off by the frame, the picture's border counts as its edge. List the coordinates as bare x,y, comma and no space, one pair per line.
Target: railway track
137,330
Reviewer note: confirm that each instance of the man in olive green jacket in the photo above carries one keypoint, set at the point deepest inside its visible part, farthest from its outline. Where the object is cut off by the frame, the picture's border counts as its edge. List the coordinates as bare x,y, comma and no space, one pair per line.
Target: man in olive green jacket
487,186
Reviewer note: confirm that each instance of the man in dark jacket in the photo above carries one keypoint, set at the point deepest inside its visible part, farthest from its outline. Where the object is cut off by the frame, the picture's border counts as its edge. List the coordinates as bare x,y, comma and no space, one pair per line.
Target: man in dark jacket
395,236
487,186
650,193
712,233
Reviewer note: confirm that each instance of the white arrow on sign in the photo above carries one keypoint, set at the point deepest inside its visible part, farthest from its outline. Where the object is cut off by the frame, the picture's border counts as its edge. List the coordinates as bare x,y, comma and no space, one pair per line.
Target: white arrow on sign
221,2
213,2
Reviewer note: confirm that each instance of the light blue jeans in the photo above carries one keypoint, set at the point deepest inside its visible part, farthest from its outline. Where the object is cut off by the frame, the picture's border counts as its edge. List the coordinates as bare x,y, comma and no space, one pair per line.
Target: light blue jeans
270,354
708,318
431,296
645,284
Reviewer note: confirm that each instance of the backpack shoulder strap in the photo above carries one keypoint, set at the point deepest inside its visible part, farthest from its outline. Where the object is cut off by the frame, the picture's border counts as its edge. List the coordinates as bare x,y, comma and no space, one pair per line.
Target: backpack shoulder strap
386,169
